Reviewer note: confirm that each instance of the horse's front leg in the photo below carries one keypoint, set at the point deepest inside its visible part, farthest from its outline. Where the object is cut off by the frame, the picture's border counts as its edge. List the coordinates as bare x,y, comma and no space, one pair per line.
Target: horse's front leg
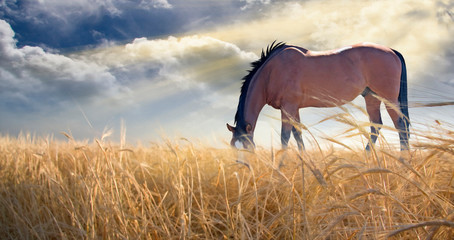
285,131
285,134
289,115
297,133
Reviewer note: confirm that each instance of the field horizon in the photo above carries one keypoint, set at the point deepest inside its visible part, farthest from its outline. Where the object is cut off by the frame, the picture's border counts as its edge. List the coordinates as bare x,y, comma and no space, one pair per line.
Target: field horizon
179,189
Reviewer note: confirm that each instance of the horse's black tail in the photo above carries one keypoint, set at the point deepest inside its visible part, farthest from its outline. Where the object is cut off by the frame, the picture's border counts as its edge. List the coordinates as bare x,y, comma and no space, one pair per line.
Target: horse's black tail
404,121
403,95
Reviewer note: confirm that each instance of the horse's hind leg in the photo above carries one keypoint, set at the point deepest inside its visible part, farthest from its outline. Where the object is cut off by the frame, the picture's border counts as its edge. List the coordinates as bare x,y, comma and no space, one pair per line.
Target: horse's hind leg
373,109
400,124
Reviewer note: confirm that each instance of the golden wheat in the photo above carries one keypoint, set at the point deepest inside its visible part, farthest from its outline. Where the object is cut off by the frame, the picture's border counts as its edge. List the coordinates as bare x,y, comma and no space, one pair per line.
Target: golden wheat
53,189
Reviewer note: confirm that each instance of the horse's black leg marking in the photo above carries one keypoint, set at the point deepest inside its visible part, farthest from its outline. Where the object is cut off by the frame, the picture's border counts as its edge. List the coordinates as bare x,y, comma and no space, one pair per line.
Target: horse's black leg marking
404,134
285,136
375,131
298,138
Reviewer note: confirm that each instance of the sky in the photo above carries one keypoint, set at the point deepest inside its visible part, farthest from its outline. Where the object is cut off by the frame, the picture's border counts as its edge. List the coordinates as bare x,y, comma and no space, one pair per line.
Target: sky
172,69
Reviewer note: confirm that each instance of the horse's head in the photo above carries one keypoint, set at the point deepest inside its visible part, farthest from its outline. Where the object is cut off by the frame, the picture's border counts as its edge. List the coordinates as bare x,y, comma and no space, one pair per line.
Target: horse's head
241,138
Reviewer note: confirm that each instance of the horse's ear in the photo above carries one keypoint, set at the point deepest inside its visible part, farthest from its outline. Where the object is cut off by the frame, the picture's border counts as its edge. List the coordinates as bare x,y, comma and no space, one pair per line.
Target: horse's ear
248,128
230,128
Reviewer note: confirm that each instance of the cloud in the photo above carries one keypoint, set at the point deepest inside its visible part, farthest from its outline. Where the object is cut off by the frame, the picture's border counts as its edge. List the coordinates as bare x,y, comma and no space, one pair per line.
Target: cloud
155,4
251,3
70,10
146,81
186,61
78,23
31,77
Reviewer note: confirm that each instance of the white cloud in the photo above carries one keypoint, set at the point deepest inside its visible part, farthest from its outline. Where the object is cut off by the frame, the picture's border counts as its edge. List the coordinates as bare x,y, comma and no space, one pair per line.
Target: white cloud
250,3
187,61
31,76
31,73
144,82
155,4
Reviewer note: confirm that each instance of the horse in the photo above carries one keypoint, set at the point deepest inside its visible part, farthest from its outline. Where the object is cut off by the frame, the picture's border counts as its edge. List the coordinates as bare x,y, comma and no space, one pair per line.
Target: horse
289,77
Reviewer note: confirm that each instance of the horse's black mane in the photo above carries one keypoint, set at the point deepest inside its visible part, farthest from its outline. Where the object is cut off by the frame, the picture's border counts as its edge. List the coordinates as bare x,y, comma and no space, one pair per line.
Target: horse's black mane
247,79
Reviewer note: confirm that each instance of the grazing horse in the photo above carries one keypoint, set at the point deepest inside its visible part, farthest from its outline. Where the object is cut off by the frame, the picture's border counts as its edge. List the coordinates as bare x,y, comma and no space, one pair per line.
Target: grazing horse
289,78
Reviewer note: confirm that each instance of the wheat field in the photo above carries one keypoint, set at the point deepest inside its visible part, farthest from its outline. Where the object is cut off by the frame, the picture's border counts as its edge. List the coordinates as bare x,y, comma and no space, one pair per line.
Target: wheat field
178,189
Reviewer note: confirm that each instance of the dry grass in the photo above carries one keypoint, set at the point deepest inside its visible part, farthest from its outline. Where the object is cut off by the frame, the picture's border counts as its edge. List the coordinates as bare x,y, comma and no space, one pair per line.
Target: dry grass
177,190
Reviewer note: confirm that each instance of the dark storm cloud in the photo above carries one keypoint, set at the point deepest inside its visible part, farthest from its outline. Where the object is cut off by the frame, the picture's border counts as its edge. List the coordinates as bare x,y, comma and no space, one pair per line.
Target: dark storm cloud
73,24
63,24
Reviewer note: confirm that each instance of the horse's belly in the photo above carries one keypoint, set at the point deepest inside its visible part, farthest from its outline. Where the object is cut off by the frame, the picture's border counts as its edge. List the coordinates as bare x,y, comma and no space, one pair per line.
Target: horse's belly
330,98
323,104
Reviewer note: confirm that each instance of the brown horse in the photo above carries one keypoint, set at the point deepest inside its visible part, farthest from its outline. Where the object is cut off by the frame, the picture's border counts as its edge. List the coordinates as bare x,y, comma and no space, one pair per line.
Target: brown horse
290,77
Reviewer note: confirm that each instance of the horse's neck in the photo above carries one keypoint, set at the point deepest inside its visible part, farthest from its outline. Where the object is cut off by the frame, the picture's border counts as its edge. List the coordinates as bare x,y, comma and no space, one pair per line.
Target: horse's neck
255,101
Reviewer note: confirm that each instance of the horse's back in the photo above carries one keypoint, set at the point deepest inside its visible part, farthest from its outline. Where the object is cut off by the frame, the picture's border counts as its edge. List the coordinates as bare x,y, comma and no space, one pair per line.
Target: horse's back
311,79
329,78
365,65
